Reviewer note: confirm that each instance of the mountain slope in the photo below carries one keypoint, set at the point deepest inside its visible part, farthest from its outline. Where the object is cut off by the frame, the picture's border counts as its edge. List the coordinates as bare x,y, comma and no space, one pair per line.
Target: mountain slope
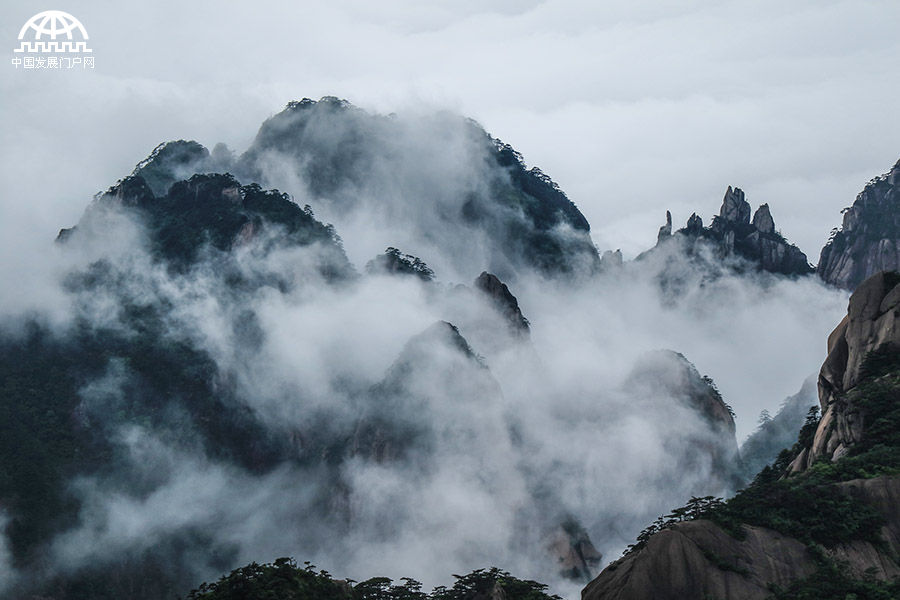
869,238
826,527
733,234
353,164
761,448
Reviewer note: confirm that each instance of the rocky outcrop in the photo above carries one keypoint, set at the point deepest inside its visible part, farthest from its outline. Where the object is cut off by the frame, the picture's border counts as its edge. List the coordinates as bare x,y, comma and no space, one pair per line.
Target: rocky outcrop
611,259
763,221
732,233
436,372
872,322
697,560
694,225
665,231
394,262
212,213
486,200
505,303
735,209
882,494
669,375
575,554
170,162
757,241
869,238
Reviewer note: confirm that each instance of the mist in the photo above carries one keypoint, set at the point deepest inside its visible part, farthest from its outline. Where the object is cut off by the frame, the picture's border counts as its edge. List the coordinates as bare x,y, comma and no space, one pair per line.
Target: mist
633,107
381,424
469,444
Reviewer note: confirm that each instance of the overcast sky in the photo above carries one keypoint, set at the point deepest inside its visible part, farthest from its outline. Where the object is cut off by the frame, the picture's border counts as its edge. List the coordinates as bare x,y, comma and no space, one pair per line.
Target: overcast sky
633,107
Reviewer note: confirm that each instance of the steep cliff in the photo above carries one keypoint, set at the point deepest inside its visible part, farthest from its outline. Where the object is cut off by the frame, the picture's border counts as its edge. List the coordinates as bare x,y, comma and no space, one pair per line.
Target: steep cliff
710,441
698,559
443,179
823,520
504,302
196,218
865,346
869,238
733,233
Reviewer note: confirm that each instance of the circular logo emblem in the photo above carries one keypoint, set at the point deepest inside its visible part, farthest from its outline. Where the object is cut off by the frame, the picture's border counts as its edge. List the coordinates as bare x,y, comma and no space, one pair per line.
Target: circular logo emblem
53,23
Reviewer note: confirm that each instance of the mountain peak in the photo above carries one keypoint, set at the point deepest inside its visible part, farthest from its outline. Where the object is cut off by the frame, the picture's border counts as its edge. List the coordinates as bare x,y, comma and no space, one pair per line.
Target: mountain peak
869,238
735,208
762,220
731,233
476,187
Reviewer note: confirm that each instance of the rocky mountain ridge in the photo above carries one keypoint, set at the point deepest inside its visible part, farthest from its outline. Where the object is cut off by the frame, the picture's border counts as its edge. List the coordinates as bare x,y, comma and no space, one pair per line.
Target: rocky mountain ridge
177,348
824,517
869,239
344,160
869,333
732,233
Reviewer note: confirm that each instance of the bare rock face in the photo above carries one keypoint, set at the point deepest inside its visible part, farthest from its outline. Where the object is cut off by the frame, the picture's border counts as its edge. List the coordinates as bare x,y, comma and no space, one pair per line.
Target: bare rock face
869,238
694,224
732,234
883,494
504,302
762,220
665,232
575,554
697,560
612,259
680,564
757,241
872,321
668,374
735,208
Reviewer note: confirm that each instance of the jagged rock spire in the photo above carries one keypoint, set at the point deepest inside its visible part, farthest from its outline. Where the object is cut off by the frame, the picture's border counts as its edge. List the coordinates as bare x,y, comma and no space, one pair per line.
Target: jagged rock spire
665,232
734,208
763,221
694,224
869,239
612,259
504,301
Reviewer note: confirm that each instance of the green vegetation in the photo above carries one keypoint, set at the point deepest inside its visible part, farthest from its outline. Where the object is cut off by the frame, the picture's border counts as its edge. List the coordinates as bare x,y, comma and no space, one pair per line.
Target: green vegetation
809,506
169,162
540,197
696,508
284,580
394,261
802,508
281,580
806,506
48,434
831,582
218,211
40,446
714,390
